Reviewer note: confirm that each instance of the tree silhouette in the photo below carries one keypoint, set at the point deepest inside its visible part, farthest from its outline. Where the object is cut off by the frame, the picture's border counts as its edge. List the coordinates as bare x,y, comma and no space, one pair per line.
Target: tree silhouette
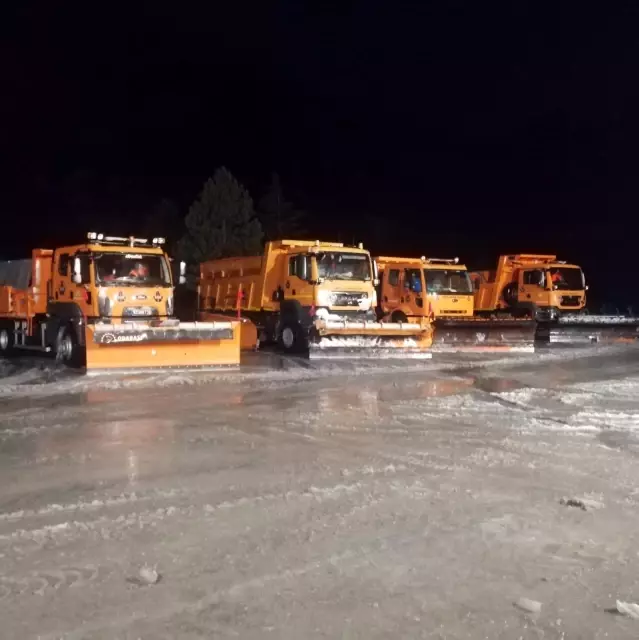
279,218
221,222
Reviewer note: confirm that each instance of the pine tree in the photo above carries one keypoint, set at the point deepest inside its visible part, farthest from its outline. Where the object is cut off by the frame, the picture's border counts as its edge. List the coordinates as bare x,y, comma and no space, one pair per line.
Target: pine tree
279,218
221,222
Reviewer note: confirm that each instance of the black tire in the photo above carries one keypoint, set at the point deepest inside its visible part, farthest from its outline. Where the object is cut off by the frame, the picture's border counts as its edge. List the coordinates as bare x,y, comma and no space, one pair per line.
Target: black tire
7,339
292,338
67,349
399,316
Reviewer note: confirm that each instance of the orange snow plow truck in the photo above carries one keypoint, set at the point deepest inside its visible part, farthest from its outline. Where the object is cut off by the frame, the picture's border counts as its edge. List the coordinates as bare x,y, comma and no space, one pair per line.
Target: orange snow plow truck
413,288
105,305
551,292
312,298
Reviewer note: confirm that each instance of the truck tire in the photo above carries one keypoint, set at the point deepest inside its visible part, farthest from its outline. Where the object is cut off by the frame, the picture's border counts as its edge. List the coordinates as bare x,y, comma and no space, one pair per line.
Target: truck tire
292,338
6,341
67,349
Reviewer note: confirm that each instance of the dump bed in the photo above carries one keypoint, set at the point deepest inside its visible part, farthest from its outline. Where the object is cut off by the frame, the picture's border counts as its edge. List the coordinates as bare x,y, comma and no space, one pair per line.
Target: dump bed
222,280
16,273
23,284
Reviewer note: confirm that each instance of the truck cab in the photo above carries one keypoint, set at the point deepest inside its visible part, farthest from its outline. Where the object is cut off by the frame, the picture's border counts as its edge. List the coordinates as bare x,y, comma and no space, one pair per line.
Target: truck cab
112,279
539,286
419,287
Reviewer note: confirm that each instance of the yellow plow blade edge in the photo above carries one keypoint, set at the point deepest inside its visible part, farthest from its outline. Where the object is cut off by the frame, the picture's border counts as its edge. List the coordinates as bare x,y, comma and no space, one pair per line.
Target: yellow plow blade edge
371,340
582,329
484,335
144,346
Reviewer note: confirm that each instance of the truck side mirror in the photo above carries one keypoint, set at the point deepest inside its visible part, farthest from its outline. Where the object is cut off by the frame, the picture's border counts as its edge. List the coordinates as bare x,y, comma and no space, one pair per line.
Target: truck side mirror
77,271
302,267
182,278
314,271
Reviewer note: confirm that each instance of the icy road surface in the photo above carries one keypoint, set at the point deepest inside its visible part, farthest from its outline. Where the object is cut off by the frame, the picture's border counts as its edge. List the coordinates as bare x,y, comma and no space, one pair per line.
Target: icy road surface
290,500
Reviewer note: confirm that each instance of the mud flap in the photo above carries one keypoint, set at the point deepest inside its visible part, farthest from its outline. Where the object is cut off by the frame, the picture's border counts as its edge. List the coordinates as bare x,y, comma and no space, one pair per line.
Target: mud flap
589,329
161,346
489,335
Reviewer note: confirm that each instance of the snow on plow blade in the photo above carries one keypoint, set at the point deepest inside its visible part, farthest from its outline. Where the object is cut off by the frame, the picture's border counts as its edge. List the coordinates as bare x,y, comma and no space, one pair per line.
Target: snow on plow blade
475,334
335,339
589,329
165,345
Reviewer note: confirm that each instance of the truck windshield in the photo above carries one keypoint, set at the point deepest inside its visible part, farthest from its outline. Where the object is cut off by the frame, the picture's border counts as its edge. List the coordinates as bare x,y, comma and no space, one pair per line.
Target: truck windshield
132,269
566,278
343,266
447,281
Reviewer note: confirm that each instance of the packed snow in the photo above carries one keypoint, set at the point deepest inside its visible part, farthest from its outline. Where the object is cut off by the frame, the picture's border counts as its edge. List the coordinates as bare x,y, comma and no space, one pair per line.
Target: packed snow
467,496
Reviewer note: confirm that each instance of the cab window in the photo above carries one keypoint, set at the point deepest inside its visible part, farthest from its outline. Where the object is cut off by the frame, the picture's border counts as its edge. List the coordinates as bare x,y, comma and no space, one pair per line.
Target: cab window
63,264
534,277
393,277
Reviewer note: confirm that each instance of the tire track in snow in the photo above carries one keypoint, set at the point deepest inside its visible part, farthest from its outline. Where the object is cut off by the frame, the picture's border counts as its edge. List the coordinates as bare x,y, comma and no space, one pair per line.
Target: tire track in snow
93,505
40,583
115,527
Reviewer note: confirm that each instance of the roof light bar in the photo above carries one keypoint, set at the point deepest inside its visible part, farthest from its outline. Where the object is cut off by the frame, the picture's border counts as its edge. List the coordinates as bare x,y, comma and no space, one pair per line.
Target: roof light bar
445,260
130,240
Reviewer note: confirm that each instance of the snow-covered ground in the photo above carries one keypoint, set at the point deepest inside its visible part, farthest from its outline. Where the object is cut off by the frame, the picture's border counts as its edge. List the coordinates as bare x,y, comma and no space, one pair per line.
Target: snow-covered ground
334,500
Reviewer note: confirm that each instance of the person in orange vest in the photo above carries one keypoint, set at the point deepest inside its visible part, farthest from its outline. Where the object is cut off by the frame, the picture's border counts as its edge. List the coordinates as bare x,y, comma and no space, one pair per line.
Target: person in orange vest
556,277
140,270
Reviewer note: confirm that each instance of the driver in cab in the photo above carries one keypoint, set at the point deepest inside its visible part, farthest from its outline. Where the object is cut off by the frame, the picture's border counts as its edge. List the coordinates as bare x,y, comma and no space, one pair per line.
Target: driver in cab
139,271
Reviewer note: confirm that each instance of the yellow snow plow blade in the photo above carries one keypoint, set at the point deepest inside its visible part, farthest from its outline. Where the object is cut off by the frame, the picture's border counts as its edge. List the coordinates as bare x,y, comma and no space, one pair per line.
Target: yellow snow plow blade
163,345
487,335
336,338
573,329
248,330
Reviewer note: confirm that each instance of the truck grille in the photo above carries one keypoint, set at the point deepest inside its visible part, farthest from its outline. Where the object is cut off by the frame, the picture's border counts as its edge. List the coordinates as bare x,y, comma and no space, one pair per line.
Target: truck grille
570,301
139,312
347,299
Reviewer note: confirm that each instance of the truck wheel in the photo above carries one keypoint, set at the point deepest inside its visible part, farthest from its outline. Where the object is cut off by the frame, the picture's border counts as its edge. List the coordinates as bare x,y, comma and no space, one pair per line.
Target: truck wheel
67,349
291,338
6,341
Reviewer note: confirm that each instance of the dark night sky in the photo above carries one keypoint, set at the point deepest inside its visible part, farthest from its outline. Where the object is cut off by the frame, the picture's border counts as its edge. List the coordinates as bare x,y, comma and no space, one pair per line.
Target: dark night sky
447,128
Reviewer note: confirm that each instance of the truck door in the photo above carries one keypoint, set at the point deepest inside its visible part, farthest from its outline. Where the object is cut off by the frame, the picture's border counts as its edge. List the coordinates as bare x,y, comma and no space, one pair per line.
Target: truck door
64,289
59,277
81,292
391,289
412,290
532,287
296,280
